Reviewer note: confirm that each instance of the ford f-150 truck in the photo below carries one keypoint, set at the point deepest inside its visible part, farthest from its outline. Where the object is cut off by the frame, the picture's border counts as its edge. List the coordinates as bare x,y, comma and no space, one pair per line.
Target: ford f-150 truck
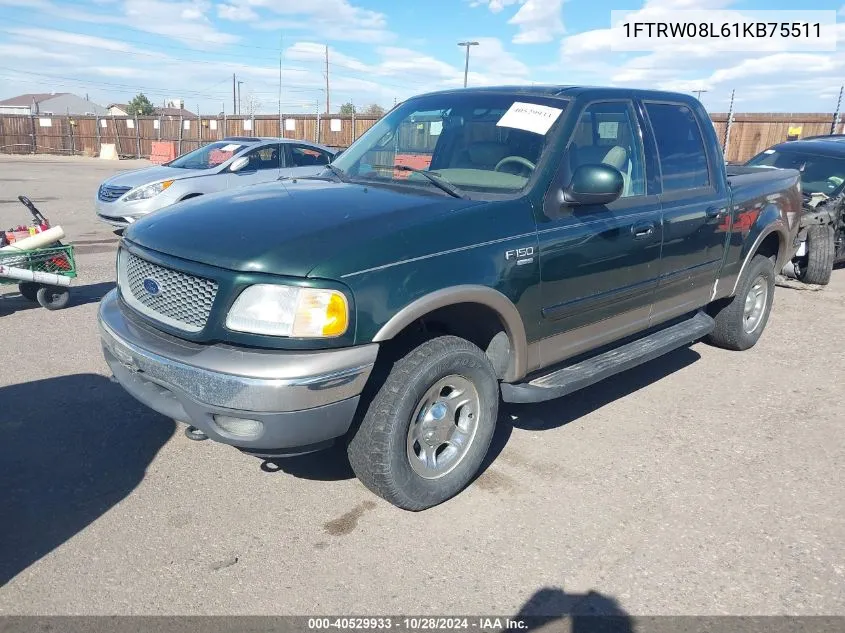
473,246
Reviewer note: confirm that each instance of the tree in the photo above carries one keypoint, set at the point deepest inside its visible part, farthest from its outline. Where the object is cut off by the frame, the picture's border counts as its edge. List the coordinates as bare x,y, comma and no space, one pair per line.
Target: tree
140,105
347,109
374,109
251,105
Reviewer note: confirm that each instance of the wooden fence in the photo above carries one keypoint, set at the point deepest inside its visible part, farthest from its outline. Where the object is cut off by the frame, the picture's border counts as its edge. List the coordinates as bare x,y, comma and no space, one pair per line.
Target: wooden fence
133,136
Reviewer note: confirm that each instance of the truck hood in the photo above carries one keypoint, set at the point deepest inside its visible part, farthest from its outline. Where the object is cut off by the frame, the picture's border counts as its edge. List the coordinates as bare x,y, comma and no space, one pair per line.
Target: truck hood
286,227
138,177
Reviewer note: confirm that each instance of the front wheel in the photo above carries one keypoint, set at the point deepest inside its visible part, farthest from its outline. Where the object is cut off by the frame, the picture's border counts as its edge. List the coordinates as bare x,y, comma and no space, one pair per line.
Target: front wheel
427,431
816,266
740,321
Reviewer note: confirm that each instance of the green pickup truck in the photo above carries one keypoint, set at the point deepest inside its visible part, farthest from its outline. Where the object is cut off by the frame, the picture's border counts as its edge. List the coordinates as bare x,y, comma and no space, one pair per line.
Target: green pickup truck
476,245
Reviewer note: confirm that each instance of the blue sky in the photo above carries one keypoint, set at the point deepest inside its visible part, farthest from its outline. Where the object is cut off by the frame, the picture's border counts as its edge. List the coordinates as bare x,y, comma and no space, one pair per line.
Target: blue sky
380,51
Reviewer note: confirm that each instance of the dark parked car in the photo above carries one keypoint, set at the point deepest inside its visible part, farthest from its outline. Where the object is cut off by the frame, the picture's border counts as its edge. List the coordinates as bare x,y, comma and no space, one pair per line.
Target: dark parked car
821,163
514,243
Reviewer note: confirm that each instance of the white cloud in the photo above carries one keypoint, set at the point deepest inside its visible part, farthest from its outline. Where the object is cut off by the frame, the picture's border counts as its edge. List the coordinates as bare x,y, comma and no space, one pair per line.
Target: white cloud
235,13
537,21
338,20
70,39
24,51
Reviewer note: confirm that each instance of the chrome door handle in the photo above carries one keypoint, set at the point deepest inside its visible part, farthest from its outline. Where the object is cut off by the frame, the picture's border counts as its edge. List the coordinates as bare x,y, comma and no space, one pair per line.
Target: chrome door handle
715,212
642,230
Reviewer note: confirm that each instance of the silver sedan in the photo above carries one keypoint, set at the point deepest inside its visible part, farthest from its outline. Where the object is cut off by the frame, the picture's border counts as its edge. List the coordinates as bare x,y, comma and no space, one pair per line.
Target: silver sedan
232,162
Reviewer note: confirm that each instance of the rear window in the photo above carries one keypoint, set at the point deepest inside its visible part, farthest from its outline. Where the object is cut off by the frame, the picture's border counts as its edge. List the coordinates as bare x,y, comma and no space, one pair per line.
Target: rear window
680,148
819,174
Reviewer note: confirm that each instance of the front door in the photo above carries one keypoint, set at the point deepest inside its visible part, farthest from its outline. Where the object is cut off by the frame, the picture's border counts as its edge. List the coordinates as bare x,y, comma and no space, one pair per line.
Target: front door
303,160
264,164
695,212
599,263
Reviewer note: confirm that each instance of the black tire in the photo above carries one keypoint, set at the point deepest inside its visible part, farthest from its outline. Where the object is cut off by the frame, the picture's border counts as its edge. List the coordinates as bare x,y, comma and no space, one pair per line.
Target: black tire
730,332
378,451
53,297
29,290
817,265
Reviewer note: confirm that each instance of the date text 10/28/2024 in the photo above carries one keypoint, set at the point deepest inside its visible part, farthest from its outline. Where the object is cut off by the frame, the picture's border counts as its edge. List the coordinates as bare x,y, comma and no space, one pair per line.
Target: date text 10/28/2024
417,624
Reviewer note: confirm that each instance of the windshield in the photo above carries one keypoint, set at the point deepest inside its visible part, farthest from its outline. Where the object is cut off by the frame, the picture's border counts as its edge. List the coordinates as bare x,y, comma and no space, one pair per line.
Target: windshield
819,174
208,156
476,142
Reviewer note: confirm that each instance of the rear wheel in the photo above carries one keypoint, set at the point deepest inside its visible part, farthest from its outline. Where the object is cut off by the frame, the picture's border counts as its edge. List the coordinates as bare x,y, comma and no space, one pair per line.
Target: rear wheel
29,290
815,267
53,297
428,429
740,322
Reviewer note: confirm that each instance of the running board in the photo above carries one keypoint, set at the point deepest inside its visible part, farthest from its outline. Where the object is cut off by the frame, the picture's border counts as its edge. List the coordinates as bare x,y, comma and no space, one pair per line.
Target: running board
571,378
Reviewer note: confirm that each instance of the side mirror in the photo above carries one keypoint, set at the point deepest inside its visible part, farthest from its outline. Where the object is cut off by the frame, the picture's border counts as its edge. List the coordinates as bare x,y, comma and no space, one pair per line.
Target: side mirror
594,184
336,154
238,164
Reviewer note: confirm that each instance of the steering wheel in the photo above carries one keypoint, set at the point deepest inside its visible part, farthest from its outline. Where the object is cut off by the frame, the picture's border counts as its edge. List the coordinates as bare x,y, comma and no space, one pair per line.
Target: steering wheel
519,160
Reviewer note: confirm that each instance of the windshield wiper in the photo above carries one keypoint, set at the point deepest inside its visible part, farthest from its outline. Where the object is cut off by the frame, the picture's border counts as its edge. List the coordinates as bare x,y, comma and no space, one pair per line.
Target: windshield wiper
338,172
436,179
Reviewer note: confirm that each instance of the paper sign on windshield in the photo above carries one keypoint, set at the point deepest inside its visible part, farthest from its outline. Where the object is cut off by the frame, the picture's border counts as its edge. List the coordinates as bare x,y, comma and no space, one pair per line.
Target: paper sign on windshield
530,117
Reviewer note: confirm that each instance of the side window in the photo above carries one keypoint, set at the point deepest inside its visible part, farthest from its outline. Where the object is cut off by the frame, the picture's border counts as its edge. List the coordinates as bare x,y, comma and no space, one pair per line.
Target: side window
680,148
266,157
608,133
304,156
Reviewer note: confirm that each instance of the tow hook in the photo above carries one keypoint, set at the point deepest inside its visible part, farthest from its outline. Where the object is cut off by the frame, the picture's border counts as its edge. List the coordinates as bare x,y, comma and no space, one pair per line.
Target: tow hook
193,433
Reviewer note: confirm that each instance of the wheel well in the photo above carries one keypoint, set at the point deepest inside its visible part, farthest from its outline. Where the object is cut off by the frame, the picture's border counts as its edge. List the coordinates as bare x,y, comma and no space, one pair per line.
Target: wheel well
475,322
770,247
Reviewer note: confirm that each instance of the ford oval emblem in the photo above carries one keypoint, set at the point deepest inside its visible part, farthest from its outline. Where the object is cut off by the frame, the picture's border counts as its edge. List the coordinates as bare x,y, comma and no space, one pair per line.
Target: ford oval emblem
151,286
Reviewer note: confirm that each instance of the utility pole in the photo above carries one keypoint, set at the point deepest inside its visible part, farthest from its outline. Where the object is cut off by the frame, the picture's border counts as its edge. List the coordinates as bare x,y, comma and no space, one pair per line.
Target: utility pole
698,94
239,97
281,52
836,114
466,65
234,97
328,102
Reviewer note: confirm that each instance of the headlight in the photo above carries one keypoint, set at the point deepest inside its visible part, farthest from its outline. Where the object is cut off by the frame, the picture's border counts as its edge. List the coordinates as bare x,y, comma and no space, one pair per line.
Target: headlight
148,191
289,311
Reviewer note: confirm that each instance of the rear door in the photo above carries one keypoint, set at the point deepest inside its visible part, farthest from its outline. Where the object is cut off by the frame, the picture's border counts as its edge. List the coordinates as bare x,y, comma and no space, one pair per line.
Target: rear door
695,204
599,263
304,160
264,165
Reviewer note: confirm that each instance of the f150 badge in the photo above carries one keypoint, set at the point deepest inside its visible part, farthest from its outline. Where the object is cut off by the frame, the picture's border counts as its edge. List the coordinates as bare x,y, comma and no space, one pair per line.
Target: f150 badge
521,255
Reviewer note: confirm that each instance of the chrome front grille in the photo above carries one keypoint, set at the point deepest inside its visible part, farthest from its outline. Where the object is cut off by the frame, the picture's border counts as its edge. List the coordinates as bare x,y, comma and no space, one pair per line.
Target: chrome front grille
177,299
110,194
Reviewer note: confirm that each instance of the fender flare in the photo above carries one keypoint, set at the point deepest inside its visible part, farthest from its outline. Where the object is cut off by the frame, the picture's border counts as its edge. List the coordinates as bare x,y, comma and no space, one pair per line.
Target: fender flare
778,226
493,299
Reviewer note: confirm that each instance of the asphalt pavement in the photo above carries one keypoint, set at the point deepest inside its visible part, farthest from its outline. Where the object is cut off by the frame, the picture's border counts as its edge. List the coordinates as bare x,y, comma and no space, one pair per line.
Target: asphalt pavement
706,482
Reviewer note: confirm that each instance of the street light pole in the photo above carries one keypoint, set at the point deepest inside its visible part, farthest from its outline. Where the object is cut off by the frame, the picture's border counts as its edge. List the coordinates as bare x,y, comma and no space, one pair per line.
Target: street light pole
239,97
466,65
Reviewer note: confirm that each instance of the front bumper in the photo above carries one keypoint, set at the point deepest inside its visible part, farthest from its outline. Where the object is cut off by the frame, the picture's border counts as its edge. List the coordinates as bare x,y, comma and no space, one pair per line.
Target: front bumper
121,214
296,400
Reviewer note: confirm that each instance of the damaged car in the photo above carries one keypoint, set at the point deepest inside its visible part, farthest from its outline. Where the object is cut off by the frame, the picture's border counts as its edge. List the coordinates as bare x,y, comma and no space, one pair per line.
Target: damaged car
821,238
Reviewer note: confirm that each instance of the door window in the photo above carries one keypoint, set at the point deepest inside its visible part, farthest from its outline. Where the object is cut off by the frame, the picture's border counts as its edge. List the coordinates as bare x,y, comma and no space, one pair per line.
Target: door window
608,133
680,147
304,156
265,157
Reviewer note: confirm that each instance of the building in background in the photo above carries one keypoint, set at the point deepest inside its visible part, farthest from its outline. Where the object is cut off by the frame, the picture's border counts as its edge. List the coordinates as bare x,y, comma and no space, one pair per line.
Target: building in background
53,103
173,109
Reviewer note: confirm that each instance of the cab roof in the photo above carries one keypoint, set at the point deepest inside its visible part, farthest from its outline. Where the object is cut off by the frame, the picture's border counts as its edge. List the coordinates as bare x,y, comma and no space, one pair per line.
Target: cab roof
832,145
569,92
